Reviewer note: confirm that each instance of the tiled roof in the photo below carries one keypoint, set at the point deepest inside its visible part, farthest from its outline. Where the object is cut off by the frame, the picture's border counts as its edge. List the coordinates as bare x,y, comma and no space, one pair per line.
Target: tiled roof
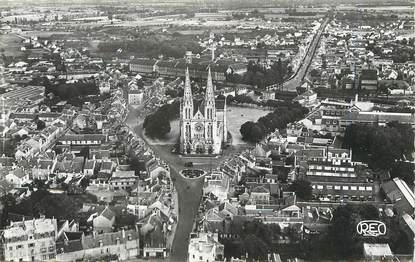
108,213
260,189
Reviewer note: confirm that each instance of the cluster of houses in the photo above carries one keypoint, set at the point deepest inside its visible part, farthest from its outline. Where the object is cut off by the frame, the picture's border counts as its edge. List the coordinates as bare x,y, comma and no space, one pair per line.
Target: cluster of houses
347,61
254,184
332,116
79,150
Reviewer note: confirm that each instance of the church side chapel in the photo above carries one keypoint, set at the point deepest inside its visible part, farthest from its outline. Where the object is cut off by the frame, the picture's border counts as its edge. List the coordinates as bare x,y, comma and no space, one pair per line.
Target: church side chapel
202,122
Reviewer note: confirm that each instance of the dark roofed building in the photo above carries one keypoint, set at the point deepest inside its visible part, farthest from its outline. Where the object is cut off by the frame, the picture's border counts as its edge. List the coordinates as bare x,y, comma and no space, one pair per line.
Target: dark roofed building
398,193
369,79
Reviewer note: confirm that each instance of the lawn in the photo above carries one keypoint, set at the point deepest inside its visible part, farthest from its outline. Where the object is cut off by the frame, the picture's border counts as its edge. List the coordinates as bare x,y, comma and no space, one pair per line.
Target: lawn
236,116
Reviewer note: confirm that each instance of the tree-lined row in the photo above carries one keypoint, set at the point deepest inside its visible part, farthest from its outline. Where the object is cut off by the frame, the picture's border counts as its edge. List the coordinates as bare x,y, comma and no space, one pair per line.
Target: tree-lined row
282,115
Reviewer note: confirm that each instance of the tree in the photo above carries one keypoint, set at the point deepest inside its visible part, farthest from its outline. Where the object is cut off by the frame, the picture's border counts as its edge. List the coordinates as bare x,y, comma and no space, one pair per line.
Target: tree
229,99
41,202
40,125
157,125
342,237
302,189
251,132
403,170
125,220
379,146
85,182
283,114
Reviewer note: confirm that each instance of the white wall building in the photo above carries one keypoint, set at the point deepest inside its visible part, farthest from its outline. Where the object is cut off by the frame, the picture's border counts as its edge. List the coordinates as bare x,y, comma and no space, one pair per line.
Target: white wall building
205,248
31,240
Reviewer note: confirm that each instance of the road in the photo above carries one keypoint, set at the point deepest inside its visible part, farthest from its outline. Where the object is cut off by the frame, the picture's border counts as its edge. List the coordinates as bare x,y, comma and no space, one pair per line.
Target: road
295,81
189,193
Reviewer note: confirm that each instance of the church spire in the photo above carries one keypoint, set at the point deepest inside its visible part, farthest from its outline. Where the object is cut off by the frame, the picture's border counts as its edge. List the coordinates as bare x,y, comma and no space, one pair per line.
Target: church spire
209,95
187,96
187,102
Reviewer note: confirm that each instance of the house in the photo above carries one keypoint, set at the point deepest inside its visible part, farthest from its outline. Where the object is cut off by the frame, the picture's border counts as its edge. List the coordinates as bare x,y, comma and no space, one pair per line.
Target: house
155,168
75,246
260,195
90,167
102,180
49,117
99,155
104,222
83,139
30,240
68,165
400,194
377,252
43,169
135,97
205,247
154,231
307,99
28,148
268,95
17,177
104,87
237,68
107,166
123,180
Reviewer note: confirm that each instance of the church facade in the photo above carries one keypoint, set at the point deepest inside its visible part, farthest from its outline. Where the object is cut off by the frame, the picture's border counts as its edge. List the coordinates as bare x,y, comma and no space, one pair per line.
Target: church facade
203,127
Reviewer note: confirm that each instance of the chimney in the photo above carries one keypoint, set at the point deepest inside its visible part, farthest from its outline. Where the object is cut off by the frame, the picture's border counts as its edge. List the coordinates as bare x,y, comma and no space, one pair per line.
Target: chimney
123,233
356,98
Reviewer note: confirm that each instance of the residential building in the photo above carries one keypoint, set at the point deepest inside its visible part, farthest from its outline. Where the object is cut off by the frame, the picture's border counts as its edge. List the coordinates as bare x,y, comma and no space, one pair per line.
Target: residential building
30,240
123,180
17,177
75,246
400,194
135,97
82,139
377,252
104,222
205,248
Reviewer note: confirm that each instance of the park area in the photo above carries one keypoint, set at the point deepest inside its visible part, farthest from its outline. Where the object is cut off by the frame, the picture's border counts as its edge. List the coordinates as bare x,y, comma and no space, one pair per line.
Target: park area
236,116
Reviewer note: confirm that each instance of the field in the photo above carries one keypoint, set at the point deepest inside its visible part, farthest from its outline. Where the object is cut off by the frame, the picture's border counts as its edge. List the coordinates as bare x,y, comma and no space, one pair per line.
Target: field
236,116
10,45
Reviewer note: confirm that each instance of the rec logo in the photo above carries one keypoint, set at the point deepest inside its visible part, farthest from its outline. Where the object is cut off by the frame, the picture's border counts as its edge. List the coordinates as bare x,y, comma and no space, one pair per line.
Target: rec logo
371,228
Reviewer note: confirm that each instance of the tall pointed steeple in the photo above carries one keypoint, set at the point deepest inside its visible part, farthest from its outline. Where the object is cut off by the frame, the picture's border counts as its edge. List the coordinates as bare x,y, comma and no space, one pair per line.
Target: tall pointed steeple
187,88
209,95
187,102
210,111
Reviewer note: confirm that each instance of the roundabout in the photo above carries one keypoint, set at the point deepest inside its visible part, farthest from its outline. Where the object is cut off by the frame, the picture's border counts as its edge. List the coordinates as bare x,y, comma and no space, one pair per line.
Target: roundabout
192,173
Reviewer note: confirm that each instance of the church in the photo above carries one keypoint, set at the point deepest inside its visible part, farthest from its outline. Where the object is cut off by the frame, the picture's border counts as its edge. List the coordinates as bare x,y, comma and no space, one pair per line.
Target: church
202,122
